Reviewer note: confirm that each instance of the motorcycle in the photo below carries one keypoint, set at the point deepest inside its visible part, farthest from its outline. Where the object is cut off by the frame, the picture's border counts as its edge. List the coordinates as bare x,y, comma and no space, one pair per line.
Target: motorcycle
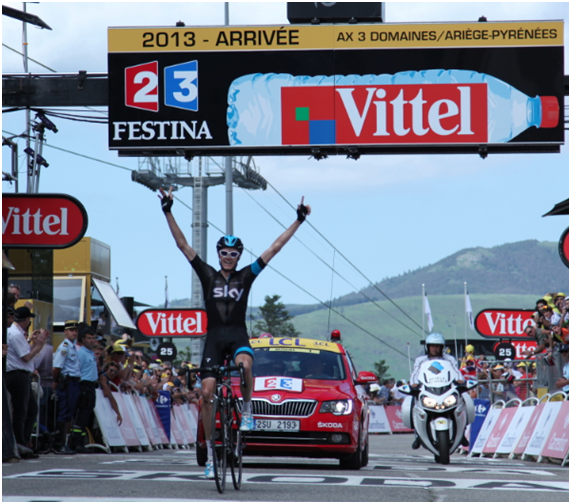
438,409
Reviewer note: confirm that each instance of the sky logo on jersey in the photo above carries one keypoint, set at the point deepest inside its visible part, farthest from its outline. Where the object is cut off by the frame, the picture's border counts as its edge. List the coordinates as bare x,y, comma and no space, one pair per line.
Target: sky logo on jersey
142,86
181,86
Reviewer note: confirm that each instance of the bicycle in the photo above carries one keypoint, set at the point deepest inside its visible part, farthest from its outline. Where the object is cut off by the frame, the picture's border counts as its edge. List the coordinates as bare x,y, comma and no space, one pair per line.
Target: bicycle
227,442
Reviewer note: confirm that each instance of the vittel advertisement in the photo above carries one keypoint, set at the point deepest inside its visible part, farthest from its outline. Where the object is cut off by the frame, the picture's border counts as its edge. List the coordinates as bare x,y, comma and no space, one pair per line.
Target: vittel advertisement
335,88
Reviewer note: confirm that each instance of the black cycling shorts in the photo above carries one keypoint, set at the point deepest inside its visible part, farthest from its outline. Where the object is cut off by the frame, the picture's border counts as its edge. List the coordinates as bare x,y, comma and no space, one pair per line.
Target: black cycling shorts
221,342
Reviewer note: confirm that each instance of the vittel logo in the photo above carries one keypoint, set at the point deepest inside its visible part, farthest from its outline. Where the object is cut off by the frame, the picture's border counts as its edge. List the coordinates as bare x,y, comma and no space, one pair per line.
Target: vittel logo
504,323
329,425
184,322
410,110
391,114
19,222
42,220
224,292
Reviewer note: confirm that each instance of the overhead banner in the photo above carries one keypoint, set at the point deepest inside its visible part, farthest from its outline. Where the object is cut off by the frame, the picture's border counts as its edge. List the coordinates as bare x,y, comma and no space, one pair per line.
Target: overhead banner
351,89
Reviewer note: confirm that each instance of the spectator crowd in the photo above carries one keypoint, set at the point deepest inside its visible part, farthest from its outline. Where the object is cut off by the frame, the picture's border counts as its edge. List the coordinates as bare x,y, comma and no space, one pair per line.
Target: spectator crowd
64,382
507,379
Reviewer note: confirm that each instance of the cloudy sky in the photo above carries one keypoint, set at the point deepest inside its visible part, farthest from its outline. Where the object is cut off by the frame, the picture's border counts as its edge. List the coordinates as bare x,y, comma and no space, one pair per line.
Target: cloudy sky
386,214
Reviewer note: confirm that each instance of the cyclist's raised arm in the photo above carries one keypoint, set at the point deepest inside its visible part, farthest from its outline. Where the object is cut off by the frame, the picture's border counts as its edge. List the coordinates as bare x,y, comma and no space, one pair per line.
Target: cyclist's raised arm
281,241
180,239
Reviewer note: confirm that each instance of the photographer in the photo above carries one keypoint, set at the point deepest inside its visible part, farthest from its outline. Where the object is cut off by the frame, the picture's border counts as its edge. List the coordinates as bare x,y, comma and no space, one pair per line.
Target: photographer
542,338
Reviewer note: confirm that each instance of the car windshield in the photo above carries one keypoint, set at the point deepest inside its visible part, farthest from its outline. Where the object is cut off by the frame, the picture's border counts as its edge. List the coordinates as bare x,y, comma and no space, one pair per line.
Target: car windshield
298,363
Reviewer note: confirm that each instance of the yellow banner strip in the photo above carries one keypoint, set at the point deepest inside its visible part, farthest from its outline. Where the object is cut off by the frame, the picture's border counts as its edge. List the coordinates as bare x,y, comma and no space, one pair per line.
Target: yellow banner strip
323,37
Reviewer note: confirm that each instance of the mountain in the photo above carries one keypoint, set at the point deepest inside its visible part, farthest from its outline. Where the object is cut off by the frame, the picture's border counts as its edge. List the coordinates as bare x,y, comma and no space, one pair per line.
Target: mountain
527,267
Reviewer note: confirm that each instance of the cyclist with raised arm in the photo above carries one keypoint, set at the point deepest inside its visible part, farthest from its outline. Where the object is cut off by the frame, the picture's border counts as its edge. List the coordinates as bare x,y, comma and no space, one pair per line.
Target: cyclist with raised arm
226,299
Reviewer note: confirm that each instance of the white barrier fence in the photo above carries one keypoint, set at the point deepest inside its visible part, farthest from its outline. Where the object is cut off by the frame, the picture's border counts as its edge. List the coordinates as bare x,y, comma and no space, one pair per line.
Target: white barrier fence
386,419
530,430
142,428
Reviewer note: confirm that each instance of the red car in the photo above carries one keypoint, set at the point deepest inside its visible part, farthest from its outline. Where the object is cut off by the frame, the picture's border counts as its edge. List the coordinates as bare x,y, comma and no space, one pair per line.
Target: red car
308,401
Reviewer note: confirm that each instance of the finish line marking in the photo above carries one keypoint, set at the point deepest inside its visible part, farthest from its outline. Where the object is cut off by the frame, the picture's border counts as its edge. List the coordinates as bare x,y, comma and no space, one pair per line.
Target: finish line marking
391,482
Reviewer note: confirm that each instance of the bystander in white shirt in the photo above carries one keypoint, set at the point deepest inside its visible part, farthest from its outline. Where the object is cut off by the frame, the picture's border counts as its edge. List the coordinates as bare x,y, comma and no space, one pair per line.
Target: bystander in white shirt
18,347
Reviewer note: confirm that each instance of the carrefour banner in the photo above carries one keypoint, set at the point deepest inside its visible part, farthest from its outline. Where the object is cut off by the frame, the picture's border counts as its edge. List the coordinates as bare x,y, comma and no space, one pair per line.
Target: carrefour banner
351,89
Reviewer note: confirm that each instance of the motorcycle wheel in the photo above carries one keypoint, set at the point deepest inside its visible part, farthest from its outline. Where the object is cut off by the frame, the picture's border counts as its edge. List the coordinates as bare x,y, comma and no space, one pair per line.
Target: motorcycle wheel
443,446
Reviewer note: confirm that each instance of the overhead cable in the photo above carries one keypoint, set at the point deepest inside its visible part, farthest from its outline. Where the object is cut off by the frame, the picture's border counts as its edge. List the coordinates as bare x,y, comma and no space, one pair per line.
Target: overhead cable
349,262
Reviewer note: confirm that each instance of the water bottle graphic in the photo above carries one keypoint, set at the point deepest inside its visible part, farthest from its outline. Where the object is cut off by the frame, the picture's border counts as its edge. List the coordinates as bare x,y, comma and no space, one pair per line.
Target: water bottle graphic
431,106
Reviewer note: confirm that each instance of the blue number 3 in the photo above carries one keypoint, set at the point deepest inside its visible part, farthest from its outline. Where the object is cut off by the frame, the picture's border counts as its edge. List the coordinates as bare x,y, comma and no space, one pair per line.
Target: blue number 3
181,86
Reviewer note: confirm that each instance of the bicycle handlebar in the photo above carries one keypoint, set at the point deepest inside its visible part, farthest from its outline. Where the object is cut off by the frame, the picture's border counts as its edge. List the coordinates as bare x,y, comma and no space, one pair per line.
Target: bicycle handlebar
220,370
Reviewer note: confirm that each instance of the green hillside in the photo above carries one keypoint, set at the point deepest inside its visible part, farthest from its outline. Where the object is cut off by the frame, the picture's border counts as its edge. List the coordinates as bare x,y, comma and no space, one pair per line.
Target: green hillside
526,267
366,350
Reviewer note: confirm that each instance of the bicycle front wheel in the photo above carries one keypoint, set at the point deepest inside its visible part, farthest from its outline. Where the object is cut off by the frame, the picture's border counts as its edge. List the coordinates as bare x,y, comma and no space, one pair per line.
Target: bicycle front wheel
236,445
218,440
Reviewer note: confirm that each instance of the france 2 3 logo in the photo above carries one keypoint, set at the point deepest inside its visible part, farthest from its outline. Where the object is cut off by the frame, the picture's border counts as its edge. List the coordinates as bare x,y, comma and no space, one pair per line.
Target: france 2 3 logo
180,82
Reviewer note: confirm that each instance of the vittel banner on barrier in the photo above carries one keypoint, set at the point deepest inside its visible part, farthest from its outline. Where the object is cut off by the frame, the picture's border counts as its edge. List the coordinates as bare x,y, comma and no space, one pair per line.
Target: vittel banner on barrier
394,415
485,431
107,420
376,88
501,426
528,431
515,431
378,421
542,429
557,444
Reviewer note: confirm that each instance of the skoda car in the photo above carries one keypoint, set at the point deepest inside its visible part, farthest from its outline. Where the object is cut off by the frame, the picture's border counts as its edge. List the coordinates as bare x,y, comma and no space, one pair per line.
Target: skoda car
308,401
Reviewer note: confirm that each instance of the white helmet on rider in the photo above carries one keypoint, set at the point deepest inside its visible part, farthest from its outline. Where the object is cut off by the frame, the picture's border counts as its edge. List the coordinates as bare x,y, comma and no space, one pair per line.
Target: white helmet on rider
435,339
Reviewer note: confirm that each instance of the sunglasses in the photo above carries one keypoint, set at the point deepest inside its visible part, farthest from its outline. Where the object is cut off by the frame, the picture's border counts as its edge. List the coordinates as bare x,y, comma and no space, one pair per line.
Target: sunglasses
231,254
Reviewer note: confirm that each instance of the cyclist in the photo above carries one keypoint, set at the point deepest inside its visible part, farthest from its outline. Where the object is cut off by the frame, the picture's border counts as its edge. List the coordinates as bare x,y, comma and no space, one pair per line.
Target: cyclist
226,298
434,350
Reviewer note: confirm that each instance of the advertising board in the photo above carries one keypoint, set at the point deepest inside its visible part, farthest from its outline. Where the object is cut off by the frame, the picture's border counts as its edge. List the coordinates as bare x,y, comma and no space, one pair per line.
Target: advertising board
172,322
51,221
337,89
504,323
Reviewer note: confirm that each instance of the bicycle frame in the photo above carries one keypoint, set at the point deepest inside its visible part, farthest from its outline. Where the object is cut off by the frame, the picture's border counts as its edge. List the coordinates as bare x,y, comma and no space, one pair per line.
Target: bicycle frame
226,440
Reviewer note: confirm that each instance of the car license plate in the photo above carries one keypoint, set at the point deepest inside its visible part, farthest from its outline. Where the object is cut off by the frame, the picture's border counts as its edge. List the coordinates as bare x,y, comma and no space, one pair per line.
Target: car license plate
276,425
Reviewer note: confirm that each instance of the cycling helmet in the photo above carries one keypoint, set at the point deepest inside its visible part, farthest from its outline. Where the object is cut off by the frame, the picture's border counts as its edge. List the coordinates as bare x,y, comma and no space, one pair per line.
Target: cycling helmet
230,241
470,349
435,339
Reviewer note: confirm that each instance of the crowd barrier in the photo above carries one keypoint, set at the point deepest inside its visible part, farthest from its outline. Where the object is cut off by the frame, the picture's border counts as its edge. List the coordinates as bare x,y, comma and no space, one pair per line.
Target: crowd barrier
529,430
386,420
142,428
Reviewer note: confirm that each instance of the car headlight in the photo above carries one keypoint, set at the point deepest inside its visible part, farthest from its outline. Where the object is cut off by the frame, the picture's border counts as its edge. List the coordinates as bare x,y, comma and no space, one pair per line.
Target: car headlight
428,402
339,407
450,400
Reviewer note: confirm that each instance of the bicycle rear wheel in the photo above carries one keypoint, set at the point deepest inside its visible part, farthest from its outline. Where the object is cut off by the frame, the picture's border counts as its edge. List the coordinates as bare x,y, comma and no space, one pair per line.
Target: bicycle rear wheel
219,444
236,445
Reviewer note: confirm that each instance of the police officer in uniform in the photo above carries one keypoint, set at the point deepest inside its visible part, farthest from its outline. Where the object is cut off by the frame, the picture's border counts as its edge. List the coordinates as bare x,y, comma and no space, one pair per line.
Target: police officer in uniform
66,375
86,341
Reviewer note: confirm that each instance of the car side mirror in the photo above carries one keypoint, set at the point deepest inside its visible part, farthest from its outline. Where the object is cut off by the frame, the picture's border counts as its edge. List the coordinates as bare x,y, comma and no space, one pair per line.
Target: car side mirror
365,377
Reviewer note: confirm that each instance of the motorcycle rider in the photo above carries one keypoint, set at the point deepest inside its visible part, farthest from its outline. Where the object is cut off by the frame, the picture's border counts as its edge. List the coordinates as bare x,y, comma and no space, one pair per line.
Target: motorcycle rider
434,350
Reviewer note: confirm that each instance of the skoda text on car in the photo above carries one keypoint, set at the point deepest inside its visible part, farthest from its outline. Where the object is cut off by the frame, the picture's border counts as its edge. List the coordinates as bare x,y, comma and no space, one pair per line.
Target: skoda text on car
308,401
